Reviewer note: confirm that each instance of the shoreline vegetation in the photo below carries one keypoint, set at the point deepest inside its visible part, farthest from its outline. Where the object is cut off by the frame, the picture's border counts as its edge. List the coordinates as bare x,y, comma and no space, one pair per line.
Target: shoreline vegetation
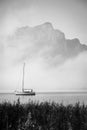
42,116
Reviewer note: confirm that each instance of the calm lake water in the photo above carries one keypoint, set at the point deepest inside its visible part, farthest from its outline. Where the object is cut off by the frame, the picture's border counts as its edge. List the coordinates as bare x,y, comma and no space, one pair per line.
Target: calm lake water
65,98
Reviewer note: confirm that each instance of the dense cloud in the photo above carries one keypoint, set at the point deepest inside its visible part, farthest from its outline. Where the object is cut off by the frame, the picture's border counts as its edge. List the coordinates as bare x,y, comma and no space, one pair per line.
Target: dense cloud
42,48
45,42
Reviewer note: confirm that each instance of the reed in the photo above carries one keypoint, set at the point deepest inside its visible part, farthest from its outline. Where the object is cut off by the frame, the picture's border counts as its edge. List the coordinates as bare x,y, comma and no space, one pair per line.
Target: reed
42,116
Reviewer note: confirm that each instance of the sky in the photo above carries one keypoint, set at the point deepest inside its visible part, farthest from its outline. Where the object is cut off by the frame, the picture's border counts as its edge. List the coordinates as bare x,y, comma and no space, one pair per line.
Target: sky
69,16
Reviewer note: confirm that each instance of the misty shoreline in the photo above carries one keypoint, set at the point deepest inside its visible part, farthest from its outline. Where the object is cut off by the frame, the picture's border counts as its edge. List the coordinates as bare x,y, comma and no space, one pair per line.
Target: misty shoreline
50,92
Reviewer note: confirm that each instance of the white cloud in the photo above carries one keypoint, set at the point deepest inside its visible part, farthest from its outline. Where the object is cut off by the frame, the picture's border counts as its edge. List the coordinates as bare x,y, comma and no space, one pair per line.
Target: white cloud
52,64
42,41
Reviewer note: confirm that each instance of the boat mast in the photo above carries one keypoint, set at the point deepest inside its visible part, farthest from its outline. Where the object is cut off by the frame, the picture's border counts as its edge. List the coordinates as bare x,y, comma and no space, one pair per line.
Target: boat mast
23,77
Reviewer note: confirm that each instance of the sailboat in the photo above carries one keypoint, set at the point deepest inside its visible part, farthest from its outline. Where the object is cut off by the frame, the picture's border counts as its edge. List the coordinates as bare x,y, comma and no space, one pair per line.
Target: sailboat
24,91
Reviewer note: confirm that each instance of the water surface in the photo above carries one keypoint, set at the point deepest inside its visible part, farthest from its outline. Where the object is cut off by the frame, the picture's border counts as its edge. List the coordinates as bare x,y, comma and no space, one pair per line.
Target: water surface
65,98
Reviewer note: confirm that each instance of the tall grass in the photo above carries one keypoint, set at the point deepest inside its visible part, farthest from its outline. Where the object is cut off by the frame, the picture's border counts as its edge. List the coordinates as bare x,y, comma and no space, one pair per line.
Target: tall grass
42,116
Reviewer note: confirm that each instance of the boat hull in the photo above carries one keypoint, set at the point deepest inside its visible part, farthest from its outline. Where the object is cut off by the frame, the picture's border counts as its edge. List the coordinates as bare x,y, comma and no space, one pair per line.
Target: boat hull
25,94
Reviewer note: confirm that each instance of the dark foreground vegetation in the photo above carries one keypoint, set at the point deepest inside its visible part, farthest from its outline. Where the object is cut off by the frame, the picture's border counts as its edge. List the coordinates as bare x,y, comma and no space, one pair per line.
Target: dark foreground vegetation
42,116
